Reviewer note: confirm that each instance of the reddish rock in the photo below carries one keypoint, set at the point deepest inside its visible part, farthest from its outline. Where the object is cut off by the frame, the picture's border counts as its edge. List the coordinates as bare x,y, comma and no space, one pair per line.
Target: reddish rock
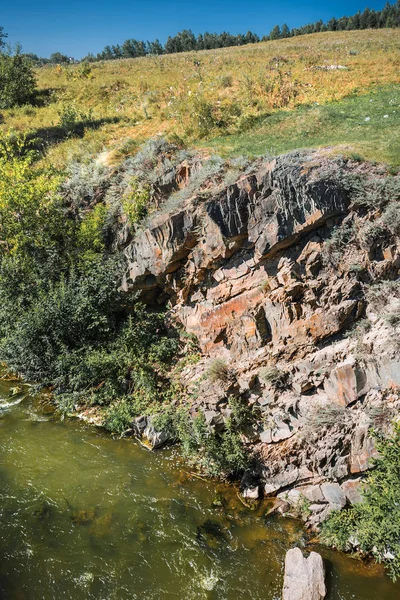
345,383
352,489
362,450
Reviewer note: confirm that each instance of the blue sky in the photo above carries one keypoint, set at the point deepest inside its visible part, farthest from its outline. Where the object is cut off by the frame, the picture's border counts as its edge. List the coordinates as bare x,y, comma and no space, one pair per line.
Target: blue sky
76,27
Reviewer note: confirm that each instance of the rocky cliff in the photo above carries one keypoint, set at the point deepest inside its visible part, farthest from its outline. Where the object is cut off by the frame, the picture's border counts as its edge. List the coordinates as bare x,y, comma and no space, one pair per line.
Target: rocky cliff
287,278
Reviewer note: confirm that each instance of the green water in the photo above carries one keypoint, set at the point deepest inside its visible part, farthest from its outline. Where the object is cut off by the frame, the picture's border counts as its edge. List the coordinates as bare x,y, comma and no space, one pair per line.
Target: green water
83,516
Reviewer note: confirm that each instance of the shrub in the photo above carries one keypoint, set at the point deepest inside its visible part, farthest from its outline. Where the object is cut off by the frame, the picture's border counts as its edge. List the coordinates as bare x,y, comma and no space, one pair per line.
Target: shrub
391,217
215,453
275,377
372,234
374,524
384,300
377,194
72,120
333,248
217,371
17,80
136,201
226,81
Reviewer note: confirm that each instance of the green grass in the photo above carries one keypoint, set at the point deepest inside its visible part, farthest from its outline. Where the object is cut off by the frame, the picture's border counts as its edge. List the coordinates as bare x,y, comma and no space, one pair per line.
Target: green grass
187,95
341,124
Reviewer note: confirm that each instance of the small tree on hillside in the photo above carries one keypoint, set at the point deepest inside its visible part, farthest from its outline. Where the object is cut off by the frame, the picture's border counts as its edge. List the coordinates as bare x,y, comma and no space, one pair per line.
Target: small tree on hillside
17,80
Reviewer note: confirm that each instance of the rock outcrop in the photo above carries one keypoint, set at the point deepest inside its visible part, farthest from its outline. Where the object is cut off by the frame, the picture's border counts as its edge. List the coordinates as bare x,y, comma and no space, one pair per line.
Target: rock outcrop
304,577
270,274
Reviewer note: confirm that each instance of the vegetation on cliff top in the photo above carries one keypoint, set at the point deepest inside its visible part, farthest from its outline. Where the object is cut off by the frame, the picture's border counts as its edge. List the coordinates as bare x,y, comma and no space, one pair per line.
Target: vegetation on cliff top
271,96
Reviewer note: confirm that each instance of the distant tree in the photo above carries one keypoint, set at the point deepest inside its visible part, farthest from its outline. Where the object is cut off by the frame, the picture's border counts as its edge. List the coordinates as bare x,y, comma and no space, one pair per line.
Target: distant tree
200,42
117,51
2,37
171,45
332,25
251,38
106,54
342,23
155,48
186,41
89,58
275,33
133,49
59,59
365,19
373,20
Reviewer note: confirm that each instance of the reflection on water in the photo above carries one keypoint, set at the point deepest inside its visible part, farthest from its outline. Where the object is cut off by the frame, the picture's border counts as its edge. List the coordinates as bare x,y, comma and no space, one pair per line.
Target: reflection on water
83,516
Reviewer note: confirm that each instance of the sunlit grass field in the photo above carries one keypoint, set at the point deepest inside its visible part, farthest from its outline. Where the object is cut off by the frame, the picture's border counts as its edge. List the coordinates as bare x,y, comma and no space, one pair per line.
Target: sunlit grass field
328,89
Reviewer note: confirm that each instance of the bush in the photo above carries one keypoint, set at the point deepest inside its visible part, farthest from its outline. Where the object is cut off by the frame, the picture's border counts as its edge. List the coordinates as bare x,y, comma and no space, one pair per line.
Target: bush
374,524
217,371
136,201
275,377
63,319
17,81
73,121
215,453
341,237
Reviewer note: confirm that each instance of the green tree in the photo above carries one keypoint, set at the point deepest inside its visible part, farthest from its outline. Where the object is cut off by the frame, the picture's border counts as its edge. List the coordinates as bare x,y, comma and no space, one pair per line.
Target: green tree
2,37
17,80
275,33
155,48
59,59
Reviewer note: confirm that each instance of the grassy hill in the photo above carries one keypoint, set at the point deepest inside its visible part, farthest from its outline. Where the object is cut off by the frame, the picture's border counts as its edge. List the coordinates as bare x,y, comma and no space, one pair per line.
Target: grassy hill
338,89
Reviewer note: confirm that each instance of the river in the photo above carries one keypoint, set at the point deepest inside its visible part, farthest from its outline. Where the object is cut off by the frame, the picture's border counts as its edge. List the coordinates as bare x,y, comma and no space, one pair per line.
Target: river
84,516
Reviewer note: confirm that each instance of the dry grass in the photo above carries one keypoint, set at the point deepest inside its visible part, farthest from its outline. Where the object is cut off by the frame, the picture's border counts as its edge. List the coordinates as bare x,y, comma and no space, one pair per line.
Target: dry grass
201,95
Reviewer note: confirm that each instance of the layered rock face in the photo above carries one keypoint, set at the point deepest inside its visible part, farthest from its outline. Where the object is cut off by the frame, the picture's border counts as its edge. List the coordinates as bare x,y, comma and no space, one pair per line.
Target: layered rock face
258,272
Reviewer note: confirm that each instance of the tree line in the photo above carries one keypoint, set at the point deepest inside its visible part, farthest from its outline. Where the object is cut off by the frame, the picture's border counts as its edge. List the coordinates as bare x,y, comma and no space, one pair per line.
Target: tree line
186,40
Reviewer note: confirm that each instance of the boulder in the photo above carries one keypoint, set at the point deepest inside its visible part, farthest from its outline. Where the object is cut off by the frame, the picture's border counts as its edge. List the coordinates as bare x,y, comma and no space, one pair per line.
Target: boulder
312,493
282,480
362,450
251,493
346,383
352,489
334,494
214,419
282,431
266,436
304,577
155,437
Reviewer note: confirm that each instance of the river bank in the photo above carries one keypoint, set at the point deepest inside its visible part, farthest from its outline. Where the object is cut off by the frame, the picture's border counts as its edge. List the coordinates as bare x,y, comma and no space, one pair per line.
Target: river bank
87,516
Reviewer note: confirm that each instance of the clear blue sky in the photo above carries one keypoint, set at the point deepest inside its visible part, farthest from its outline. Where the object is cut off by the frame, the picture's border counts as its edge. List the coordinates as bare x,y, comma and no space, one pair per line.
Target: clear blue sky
76,27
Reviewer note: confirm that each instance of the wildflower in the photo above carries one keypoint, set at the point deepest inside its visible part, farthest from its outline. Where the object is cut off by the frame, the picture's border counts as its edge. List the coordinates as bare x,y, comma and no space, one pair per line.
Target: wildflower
385,116
367,118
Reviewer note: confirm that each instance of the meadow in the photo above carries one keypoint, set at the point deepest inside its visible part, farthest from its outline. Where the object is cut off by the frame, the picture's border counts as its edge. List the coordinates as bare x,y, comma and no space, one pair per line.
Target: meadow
338,89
